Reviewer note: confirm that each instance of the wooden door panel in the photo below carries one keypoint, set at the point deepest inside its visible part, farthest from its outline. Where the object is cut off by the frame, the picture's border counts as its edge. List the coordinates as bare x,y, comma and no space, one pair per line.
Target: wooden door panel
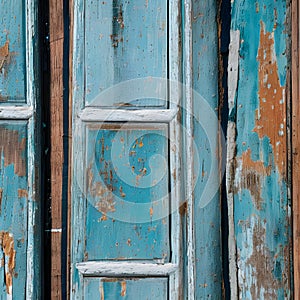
124,40
126,162
19,152
126,288
13,208
12,51
127,167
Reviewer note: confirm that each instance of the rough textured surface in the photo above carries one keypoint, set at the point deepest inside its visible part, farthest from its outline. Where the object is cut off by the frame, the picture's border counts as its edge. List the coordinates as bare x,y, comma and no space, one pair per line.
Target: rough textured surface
57,153
12,51
261,207
207,220
13,209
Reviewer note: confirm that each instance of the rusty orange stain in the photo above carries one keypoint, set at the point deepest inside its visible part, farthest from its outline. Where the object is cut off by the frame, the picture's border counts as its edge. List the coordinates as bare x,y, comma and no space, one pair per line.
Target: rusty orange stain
123,290
7,245
151,212
103,194
11,147
122,193
103,218
22,193
174,174
271,114
4,55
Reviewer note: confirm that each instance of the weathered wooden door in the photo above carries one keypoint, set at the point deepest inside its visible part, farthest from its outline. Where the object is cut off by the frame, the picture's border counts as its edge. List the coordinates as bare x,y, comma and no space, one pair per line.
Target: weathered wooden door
19,197
133,204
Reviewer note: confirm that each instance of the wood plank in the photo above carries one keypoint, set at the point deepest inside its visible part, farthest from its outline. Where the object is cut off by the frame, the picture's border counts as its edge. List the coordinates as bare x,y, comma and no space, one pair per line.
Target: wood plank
56,121
262,220
296,145
207,210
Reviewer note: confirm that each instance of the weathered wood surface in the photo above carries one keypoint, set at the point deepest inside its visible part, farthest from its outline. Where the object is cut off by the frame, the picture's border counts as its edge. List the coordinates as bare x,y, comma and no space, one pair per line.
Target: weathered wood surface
296,144
19,153
261,208
207,212
125,175
12,51
13,208
126,288
56,31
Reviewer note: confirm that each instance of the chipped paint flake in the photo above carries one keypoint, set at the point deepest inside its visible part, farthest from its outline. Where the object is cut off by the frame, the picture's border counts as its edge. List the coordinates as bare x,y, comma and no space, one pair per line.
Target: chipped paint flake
271,111
7,246
123,290
250,175
22,193
11,148
103,195
260,264
4,56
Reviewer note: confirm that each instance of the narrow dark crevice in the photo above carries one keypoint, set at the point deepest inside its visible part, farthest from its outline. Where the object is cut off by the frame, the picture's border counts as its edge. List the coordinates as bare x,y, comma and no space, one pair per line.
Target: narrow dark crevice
224,40
45,148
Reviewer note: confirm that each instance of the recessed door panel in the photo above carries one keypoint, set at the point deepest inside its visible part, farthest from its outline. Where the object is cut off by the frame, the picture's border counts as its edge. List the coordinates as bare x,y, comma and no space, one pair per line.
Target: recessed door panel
126,288
12,51
127,188
124,40
13,208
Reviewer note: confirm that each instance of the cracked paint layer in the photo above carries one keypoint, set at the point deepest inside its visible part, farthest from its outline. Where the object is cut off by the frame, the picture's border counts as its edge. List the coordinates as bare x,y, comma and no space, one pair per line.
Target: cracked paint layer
271,113
261,231
251,175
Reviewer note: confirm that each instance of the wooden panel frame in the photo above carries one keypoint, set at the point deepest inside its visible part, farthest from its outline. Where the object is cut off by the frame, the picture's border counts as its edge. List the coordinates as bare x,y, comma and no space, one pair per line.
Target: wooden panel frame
295,106
80,116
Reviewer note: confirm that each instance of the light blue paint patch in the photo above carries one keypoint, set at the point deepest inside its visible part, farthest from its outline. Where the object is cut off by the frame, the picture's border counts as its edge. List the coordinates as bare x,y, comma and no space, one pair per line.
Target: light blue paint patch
124,40
13,68
126,288
123,177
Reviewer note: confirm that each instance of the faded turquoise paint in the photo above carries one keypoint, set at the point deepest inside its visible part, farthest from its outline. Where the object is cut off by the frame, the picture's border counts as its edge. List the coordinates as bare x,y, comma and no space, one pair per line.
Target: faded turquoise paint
115,41
207,219
12,51
261,205
128,162
124,40
126,288
19,152
13,208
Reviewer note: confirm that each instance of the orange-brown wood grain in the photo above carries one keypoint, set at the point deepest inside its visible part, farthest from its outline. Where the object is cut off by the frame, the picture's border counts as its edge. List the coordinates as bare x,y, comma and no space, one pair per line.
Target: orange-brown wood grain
56,120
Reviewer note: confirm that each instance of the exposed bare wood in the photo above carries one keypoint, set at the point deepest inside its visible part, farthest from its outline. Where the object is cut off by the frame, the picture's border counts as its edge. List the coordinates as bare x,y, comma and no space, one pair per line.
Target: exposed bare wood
56,121
296,144
233,66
